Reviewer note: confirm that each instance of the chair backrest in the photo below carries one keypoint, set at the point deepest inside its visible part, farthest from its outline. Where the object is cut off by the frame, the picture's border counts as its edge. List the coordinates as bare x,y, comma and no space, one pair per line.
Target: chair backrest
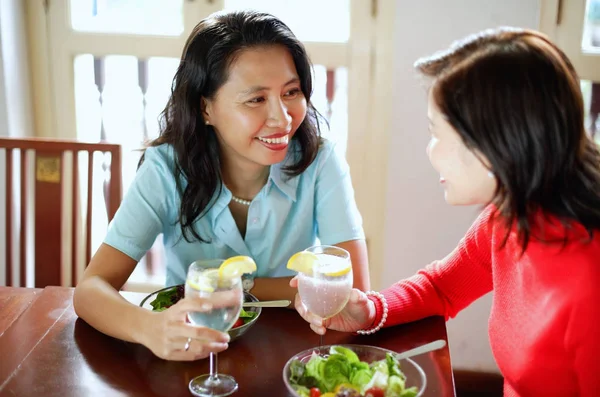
52,176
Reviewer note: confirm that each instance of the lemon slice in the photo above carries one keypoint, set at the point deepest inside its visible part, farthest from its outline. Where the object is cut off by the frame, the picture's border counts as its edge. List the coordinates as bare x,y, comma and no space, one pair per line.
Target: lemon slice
303,262
236,266
201,286
336,269
205,281
210,274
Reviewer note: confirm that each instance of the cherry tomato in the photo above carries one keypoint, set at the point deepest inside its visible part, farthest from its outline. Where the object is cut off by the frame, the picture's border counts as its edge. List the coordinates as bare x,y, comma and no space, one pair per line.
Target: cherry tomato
375,392
238,323
315,392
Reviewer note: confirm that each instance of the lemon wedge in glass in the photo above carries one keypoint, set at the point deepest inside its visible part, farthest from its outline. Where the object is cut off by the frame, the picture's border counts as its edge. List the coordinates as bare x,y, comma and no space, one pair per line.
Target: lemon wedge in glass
236,266
336,269
205,281
303,262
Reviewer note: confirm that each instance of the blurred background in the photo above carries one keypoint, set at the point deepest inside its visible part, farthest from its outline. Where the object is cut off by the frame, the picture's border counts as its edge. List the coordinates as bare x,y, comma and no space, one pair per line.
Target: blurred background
101,70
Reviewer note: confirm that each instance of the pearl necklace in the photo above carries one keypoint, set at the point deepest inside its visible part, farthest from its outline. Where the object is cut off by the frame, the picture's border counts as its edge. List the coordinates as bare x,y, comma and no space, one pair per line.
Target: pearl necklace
241,201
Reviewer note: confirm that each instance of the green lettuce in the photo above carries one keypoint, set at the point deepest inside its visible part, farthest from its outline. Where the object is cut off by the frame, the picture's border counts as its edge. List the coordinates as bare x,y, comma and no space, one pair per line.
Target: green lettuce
349,354
247,315
166,299
343,366
336,370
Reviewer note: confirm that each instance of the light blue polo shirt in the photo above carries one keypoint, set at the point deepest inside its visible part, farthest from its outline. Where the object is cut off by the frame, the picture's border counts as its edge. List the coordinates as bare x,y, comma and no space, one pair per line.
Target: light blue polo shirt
288,215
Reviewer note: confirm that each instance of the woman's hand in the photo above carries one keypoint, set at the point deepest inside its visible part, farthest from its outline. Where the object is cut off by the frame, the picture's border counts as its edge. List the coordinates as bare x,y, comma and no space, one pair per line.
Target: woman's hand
359,313
168,332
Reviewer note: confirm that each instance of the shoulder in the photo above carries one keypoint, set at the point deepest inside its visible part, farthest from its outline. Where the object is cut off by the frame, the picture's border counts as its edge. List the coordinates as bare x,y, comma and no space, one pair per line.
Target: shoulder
328,156
485,223
162,156
327,149
158,169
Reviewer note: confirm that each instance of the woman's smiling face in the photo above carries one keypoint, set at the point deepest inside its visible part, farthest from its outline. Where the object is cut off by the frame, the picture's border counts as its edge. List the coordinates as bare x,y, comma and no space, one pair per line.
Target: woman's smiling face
259,108
463,174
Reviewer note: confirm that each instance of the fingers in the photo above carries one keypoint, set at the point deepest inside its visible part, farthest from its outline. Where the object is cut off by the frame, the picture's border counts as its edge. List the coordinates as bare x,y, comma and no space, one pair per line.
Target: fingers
197,349
202,333
294,282
170,340
200,341
220,299
215,300
316,322
357,296
302,310
318,329
191,304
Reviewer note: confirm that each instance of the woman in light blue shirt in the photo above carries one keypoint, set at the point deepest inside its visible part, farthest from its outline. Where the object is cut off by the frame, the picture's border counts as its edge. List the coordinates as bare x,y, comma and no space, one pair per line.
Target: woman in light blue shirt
238,169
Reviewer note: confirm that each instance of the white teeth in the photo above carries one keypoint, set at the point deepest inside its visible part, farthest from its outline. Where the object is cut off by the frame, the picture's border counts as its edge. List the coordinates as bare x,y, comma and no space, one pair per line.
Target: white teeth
283,139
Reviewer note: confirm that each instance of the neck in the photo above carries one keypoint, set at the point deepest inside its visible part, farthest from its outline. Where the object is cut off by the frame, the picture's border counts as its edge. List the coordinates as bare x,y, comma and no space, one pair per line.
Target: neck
244,179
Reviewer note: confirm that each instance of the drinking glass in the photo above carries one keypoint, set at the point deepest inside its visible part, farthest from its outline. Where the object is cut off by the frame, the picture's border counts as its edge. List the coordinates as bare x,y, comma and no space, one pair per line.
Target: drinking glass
227,297
326,291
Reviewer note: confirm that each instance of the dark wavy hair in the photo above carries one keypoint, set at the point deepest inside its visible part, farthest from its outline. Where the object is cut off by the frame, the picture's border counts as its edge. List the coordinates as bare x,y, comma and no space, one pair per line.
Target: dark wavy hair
514,96
211,48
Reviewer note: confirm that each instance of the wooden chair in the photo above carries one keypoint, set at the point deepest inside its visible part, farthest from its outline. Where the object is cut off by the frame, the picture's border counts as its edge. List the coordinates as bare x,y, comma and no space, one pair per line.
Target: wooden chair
48,201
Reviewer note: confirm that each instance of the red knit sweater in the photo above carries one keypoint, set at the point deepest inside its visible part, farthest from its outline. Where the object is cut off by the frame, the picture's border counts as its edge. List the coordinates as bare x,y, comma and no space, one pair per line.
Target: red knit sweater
544,326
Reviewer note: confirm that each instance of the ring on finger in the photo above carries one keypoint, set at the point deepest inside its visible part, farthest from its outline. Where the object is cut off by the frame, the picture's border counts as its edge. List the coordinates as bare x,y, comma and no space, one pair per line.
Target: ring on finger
187,344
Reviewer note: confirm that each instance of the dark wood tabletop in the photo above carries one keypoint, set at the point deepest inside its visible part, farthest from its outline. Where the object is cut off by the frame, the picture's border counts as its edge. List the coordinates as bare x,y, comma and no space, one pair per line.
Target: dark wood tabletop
47,350
13,302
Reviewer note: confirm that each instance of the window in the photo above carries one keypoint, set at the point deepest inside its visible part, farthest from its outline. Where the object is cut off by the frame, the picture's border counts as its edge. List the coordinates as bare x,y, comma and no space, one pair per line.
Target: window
111,62
591,28
143,17
575,27
329,21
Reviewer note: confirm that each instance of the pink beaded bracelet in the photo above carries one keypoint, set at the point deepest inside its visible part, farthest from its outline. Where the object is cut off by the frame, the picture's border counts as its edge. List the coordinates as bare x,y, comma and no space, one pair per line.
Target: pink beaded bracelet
383,318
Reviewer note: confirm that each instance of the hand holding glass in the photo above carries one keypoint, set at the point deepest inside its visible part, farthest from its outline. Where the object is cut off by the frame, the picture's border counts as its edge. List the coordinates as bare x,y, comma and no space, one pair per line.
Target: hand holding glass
227,297
326,290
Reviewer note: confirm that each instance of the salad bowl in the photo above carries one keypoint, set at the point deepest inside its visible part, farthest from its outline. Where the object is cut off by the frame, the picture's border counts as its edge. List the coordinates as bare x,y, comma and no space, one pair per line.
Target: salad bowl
247,318
359,369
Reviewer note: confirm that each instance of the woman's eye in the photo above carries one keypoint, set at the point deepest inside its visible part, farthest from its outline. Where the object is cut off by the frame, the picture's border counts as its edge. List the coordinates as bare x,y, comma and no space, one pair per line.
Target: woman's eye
257,100
293,92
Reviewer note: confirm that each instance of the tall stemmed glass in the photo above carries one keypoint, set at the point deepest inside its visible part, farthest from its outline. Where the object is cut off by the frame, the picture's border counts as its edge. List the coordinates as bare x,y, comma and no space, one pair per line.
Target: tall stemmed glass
326,290
227,295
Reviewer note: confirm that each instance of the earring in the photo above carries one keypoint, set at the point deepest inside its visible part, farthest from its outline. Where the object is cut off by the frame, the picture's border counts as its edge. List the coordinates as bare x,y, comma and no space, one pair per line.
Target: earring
206,122
491,174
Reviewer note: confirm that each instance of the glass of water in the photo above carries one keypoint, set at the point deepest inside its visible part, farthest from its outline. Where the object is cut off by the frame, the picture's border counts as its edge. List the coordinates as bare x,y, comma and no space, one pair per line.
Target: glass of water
326,291
227,296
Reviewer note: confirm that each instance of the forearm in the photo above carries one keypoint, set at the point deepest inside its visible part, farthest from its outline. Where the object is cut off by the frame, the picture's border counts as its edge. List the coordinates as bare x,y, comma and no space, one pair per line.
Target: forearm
360,263
102,307
273,289
447,286
441,289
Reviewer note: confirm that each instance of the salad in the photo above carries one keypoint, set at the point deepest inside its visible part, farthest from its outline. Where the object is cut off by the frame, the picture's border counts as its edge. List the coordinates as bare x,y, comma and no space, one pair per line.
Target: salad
342,374
171,296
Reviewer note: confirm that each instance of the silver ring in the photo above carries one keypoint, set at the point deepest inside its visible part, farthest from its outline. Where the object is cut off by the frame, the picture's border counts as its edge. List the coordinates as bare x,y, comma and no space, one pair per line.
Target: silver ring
187,344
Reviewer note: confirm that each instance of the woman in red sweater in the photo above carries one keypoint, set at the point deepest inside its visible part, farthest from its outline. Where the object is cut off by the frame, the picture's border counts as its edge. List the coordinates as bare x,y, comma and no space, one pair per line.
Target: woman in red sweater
507,131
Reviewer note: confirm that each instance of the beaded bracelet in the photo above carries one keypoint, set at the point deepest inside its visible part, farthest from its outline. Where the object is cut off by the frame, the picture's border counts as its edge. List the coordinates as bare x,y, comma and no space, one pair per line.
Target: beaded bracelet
383,318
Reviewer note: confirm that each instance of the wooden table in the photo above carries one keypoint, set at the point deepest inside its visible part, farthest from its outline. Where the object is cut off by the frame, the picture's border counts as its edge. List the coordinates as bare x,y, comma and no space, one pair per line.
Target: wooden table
46,350
13,302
